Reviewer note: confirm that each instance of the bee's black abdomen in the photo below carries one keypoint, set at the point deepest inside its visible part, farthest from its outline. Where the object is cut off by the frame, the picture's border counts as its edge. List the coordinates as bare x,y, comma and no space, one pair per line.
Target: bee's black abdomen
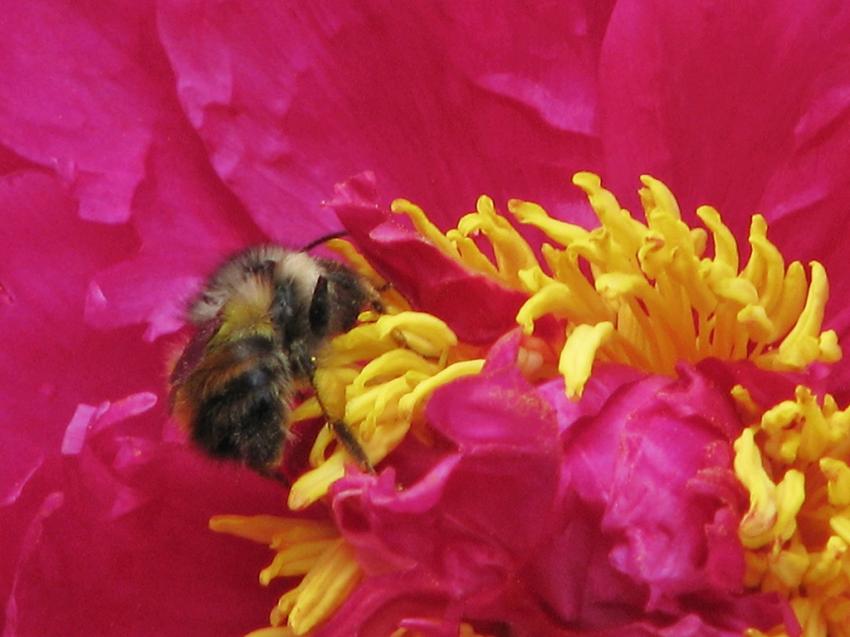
243,419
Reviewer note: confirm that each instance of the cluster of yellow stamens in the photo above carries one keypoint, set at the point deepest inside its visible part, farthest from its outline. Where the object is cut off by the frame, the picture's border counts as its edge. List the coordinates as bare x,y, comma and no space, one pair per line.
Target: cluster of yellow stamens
307,548
794,462
645,294
377,378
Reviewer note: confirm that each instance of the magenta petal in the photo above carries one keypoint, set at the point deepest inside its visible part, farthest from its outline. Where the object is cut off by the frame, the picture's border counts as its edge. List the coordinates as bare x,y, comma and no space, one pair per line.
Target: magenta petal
187,223
477,308
132,512
84,90
51,360
442,102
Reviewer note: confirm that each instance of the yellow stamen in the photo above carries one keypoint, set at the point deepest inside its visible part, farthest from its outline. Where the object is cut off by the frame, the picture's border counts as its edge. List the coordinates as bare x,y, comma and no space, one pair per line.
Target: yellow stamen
271,631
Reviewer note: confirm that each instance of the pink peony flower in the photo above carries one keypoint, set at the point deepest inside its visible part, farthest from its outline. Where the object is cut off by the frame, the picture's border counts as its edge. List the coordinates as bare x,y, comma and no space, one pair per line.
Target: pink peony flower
141,143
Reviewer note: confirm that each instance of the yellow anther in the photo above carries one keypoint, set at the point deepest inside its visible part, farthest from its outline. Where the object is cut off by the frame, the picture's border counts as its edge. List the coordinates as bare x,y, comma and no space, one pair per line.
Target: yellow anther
838,474
269,529
579,353
624,231
423,333
725,248
423,225
754,270
655,195
325,587
313,484
758,523
841,525
272,631
556,299
471,255
293,560
412,402
307,410
390,365
803,343
364,342
737,290
826,564
790,566
770,289
745,403
319,451
760,328
534,215
814,437
780,416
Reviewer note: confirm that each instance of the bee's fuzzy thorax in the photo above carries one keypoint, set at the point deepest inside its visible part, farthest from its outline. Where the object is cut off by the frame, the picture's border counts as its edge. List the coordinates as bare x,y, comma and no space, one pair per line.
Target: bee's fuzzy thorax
229,279
302,271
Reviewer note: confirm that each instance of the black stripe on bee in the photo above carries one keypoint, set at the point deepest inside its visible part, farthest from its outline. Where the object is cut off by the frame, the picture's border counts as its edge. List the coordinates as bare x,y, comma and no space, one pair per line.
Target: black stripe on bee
244,417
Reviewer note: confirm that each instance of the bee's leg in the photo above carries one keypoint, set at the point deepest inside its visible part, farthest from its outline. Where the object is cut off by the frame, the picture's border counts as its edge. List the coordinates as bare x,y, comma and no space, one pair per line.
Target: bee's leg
344,434
340,429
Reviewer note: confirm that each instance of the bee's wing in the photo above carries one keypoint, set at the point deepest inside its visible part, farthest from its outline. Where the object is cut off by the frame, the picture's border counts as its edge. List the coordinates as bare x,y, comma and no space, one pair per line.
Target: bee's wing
193,352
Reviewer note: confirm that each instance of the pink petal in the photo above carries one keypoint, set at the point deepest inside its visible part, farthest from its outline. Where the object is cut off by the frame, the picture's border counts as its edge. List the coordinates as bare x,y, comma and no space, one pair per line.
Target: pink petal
187,223
133,513
655,462
291,100
84,89
51,361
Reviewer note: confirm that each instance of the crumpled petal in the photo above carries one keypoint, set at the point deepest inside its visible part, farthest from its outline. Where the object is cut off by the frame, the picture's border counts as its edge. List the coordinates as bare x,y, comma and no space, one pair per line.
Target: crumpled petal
186,223
84,91
652,470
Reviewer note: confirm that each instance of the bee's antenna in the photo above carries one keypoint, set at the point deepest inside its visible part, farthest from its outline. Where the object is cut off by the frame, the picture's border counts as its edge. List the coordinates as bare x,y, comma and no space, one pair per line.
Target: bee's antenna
321,240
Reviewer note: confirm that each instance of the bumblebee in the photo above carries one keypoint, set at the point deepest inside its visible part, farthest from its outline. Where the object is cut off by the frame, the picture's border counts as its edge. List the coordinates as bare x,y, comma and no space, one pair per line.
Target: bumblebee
260,323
